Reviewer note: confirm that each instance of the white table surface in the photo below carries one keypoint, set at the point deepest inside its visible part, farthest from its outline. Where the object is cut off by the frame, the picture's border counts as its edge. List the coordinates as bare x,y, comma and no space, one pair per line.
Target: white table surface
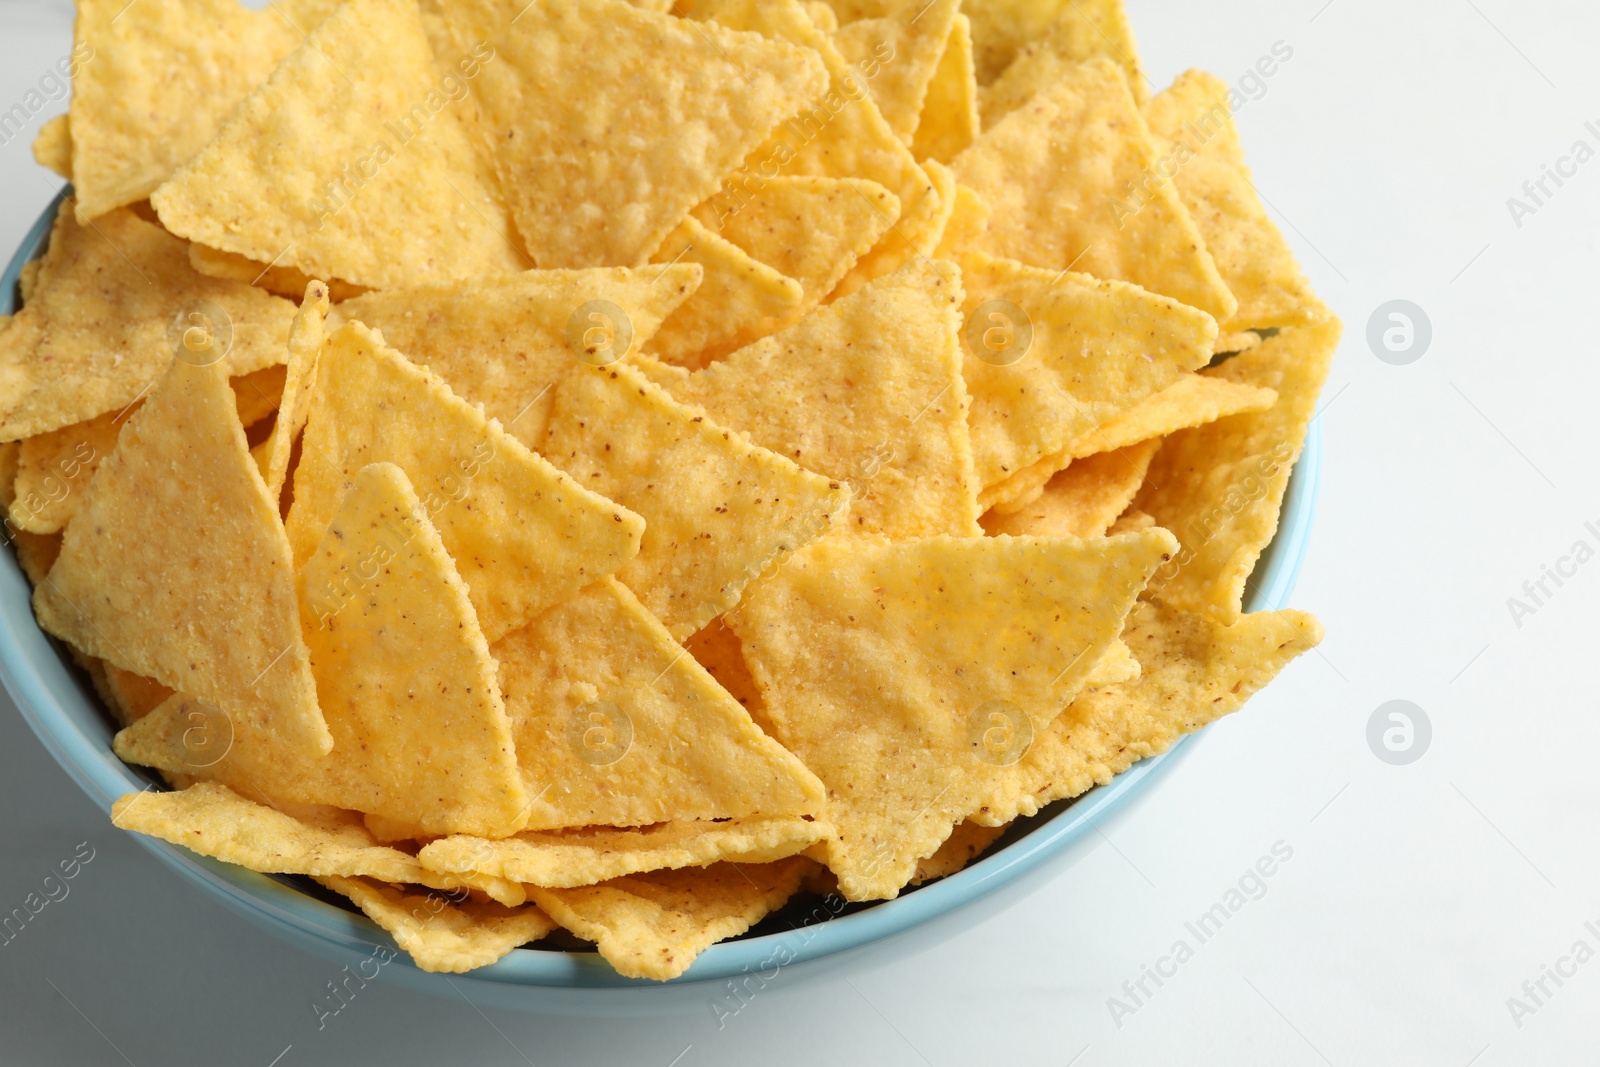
1418,898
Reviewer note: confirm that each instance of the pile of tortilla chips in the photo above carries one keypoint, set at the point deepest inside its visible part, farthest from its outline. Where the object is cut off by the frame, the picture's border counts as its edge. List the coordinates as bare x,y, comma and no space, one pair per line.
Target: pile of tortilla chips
583,464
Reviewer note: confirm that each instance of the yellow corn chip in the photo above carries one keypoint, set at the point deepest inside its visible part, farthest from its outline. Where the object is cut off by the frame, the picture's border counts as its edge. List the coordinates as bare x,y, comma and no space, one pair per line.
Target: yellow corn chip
348,162
524,536
907,675
217,618
36,554
114,301
1132,520
504,342
807,228
740,301
717,649
420,733
821,14
130,696
654,925
1219,487
1008,32
842,135
160,79
1084,30
616,725
1051,356
1083,500
215,821
1200,153
848,11
587,855
969,222
1195,670
1114,667
52,147
438,933
909,43
966,843
867,391
718,510
305,349
285,281
608,123
10,455
1230,343
259,394
949,119
1192,400
1058,175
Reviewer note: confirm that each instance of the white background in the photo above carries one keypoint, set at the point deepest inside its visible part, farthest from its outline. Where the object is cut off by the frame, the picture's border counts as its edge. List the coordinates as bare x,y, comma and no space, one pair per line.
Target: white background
1418,898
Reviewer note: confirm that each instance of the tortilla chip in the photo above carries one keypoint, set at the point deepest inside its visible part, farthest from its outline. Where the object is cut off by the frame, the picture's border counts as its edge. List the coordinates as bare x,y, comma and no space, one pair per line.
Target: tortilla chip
654,925
113,300
1072,180
1050,357
889,670
1232,343
1192,400
348,162
909,43
1084,30
1220,487
842,135
281,280
966,843
439,933
1007,32
616,725
1083,500
36,554
1196,670
821,14
964,232
717,649
305,349
523,534
949,120
740,301
504,342
259,394
1114,667
215,821
54,468
608,123
161,78
52,147
587,855
867,391
1192,123
718,510
130,696
807,228
212,612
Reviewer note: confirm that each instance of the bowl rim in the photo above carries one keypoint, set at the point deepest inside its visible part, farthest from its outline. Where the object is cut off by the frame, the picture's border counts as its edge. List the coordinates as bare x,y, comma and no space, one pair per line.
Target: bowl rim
35,672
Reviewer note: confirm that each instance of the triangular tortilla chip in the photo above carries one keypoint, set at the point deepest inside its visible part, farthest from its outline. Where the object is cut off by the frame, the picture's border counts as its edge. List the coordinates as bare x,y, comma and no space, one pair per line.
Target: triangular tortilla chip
966,843
110,304
1083,500
1084,30
504,342
654,925
616,725
440,934
305,349
1192,400
1220,487
842,135
964,232
1195,671
909,43
949,119
810,229
349,162
1193,126
868,391
189,580
740,301
586,855
718,510
1073,182
1004,32
717,649
276,278
1051,356
608,123
161,77
52,146
215,821
420,733
893,670
524,535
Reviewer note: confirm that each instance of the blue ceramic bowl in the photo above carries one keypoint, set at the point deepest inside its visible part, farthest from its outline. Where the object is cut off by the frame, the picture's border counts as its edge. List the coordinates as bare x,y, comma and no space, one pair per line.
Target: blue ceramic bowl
810,937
